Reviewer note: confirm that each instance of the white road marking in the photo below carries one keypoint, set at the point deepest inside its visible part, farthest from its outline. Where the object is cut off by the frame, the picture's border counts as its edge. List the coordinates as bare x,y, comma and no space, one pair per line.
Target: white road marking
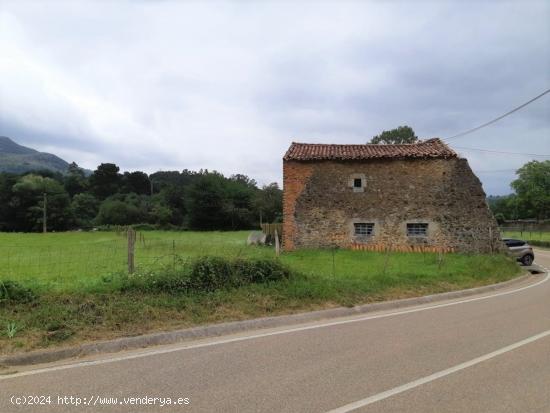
411,385
184,346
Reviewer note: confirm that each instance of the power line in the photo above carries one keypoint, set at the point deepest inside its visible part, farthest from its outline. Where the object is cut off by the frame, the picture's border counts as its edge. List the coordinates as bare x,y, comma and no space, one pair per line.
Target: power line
499,118
503,152
496,170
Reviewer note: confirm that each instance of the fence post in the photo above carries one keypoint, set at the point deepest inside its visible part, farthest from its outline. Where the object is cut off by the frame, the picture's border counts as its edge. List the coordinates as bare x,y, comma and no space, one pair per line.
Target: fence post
131,249
173,254
277,246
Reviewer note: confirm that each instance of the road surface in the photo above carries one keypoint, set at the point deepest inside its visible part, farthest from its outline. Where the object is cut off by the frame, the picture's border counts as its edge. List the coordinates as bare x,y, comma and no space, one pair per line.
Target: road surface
488,353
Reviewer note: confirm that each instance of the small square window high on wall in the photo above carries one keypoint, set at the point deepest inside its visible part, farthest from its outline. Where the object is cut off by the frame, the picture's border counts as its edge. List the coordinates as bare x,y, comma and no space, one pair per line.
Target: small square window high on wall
363,228
357,183
417,230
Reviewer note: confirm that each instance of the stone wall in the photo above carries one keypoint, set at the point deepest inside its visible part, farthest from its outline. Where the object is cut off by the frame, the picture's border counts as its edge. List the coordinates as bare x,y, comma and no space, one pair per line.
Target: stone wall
320,205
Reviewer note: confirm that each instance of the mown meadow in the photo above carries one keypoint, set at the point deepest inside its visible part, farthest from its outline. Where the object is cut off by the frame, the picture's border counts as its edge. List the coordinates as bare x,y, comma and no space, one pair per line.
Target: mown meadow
65,288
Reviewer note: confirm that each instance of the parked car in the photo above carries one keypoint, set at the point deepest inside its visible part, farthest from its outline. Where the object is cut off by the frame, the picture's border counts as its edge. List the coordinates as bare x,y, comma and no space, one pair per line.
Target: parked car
519,249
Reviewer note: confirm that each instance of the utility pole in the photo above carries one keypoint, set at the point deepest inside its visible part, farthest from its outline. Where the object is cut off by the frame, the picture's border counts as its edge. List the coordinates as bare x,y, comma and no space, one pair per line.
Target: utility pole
44,214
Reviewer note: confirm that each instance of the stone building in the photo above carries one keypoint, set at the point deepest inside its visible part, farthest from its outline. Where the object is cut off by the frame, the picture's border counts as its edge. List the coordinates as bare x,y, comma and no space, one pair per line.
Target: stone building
410,197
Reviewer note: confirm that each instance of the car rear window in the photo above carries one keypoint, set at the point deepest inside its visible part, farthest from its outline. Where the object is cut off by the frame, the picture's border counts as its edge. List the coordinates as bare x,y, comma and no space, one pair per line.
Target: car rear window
514,242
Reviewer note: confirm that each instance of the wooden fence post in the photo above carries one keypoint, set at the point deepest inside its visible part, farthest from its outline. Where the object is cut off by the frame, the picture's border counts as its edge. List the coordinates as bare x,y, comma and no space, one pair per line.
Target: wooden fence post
131,249
277,245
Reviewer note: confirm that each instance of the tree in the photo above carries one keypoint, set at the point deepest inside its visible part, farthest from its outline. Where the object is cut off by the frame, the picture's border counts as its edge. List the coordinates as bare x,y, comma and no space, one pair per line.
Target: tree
136,182
205,202
30,192
240,191
403,134
7,211
268,203
75,181
533,187
85,208
160,213
105,180
173,198
113,212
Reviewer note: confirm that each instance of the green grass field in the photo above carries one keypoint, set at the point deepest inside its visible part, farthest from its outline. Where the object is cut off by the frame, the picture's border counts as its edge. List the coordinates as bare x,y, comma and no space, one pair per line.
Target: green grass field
528,235
74,261
75,277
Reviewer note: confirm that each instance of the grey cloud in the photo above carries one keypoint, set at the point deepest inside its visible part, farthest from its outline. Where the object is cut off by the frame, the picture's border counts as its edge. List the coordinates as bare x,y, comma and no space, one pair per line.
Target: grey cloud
227,86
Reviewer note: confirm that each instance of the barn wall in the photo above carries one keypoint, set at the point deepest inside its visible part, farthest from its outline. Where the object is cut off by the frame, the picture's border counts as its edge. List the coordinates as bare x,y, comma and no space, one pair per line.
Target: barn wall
320,206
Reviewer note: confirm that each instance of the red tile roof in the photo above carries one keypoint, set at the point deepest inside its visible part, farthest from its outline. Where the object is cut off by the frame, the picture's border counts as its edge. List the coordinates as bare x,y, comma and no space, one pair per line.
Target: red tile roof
431,148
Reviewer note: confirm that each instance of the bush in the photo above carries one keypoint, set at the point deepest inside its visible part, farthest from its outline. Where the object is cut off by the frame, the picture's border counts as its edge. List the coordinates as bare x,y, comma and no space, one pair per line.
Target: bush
12,291
211,273
260,270
205,274
539,243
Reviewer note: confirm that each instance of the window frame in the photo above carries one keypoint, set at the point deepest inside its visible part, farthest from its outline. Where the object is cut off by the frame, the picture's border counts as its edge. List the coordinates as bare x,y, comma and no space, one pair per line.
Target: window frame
417,229
368,226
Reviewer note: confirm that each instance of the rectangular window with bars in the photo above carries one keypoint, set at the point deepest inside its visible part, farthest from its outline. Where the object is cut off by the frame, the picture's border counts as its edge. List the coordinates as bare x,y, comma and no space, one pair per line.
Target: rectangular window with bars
363,229
417,230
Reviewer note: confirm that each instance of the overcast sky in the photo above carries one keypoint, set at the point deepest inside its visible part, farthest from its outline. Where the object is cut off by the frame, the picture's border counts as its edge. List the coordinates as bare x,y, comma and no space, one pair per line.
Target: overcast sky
162,85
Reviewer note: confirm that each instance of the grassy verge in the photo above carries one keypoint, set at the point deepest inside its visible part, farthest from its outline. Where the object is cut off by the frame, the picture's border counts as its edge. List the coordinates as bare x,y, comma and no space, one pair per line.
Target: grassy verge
528,235
535,238
112,305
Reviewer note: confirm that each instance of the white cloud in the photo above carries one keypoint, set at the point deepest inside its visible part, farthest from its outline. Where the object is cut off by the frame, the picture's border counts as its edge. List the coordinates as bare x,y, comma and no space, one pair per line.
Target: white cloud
227,85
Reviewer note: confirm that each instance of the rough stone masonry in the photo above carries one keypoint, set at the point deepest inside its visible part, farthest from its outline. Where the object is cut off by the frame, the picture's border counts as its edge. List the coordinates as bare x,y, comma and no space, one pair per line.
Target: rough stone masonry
410,197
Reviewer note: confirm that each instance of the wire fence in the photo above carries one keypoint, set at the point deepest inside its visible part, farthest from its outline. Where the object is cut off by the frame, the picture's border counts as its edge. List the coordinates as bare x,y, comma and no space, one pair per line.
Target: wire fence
530,231
55,263
63,265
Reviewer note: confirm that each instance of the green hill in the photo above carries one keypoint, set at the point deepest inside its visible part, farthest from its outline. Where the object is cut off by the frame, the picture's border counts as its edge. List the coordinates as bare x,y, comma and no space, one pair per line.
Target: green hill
16,158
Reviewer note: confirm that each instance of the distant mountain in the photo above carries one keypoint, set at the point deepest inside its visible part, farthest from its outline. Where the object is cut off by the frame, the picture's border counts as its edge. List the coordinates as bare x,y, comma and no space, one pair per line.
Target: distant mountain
16,158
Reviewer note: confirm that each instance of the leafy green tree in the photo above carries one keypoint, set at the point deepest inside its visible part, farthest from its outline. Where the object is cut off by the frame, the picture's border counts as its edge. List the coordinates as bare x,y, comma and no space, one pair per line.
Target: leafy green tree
174,198
114,212
268,203
105,180
75,181
240,191
533,187
7,211
29,197
160,214
85,208
402,134
205,202
136,182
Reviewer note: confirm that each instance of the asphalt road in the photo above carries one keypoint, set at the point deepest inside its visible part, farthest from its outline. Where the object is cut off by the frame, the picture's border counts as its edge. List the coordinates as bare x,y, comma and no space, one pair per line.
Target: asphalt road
488,353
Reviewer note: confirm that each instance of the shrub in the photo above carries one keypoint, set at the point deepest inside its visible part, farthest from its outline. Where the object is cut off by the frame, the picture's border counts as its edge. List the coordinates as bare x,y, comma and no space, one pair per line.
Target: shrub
168,281
260,270
12,291
539,243
211,273
204,274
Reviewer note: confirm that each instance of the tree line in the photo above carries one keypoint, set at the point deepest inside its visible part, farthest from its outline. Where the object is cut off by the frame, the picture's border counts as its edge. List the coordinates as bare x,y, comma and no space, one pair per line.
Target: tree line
201,200
531,197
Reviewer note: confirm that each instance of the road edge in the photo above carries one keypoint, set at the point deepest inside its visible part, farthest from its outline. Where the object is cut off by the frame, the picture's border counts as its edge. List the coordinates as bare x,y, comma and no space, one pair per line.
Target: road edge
214,330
